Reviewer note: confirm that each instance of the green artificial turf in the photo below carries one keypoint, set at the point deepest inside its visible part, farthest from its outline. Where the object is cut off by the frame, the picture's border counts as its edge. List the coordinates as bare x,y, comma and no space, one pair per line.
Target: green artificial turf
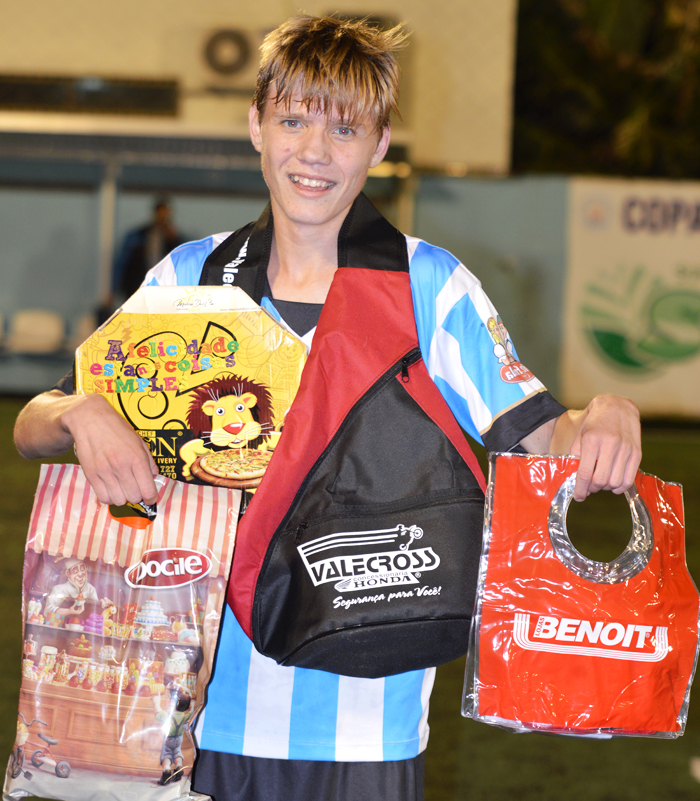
466,761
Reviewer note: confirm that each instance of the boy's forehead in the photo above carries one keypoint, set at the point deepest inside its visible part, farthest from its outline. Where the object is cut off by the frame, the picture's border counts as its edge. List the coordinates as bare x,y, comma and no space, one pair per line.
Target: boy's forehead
317,106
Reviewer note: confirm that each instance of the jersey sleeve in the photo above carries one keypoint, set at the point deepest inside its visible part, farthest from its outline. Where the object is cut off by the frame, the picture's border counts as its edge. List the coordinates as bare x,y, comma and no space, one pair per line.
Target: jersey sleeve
183,266
65,384
469,354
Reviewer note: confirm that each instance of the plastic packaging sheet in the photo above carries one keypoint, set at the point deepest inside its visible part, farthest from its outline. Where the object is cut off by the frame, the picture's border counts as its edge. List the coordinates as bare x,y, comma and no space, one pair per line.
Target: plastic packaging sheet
120,619
564,644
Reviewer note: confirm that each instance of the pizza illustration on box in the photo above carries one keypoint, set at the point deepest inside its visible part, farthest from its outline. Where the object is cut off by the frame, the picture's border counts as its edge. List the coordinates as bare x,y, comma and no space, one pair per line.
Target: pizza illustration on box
231,420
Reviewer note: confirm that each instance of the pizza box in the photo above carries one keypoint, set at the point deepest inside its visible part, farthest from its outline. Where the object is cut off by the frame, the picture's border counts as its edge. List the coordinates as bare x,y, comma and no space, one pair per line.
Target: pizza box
203,374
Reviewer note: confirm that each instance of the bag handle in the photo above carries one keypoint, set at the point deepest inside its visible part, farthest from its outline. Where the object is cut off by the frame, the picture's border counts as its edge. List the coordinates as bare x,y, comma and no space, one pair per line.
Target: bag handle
139,521
629,563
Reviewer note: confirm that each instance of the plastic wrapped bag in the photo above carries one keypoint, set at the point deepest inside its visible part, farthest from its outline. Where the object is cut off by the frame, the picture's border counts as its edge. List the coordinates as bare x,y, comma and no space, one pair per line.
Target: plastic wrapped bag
564,644
120,618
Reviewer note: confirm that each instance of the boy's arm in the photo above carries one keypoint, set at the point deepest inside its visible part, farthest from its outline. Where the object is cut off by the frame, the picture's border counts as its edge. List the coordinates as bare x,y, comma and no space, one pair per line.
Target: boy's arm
605,436
116,461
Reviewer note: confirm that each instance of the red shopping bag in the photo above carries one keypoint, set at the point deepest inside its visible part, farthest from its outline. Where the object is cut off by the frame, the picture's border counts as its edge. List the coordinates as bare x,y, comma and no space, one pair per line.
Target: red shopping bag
120,621
564,644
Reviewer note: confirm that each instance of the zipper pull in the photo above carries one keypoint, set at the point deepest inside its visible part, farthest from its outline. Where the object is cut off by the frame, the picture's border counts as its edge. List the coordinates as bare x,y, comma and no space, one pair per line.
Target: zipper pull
301,528
404,370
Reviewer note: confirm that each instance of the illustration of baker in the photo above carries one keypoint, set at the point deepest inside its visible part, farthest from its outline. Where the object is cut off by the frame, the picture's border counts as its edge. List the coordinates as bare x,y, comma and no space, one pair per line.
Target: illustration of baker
503,349
70,597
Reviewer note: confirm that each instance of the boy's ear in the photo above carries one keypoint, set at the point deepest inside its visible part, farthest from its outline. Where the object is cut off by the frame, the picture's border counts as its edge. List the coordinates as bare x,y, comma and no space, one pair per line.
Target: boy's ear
254,126
382,146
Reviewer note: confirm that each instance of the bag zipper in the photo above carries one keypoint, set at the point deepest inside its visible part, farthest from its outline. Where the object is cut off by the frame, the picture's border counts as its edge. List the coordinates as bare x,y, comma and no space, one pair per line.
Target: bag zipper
444,497
401,366
301,528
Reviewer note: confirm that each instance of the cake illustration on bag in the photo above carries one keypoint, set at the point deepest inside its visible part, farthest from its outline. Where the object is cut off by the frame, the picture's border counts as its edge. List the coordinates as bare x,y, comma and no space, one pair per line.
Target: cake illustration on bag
152,614
80,646
108,652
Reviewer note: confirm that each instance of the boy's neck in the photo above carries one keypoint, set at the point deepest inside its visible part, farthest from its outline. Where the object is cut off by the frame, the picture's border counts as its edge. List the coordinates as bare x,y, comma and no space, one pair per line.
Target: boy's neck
303,263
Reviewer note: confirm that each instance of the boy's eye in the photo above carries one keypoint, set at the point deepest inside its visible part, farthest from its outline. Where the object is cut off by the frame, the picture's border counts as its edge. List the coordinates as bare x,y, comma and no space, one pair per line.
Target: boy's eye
344,130
291,123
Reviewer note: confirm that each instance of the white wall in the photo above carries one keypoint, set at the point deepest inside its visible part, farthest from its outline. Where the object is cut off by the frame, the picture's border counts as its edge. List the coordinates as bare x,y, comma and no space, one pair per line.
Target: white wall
49,250
457,92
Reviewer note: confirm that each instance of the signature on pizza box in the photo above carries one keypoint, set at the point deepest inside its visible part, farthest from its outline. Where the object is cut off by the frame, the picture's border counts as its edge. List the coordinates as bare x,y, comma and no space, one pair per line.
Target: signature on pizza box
203,374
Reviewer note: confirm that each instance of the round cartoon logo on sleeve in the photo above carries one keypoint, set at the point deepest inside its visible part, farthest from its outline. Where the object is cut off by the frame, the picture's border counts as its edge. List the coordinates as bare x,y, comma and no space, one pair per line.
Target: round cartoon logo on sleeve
512,371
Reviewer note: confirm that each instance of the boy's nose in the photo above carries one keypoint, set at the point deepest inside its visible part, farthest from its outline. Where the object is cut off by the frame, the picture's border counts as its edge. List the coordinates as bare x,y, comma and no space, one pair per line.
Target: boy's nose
315,147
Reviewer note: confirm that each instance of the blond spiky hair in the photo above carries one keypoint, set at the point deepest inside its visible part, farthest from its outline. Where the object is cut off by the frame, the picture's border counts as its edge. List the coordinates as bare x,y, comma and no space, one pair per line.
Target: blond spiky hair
329,63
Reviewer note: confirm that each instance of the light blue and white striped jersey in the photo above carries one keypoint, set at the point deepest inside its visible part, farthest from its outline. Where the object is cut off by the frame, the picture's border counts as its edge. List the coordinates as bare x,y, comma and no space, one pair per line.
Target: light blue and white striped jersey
258,708
452,317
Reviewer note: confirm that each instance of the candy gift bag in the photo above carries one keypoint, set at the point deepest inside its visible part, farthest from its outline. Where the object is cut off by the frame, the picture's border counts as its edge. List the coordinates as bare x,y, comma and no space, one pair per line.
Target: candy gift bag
564,644
120,620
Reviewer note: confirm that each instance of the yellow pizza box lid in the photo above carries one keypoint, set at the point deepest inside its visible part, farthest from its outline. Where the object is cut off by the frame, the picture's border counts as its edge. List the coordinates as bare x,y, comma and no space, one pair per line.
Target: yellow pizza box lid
195,371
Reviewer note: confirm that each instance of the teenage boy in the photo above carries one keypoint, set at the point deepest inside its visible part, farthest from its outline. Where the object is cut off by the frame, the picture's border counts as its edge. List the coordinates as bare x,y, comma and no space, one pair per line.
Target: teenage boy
320,120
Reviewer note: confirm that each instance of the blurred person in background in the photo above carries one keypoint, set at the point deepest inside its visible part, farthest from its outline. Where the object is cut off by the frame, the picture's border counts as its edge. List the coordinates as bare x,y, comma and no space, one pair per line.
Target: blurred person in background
144,247
320,119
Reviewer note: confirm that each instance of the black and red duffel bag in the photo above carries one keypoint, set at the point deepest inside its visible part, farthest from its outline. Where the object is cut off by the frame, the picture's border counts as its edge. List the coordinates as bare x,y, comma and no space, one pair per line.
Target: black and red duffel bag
359,552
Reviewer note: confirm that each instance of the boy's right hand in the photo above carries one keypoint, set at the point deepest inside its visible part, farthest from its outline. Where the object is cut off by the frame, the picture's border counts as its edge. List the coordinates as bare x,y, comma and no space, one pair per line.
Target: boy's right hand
116,461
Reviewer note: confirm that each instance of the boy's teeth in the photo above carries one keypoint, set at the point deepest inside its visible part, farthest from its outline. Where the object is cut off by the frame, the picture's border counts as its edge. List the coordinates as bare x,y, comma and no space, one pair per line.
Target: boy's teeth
312,182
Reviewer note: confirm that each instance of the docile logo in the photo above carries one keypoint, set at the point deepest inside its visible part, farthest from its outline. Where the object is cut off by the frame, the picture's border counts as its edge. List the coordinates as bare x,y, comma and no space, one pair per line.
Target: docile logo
165,568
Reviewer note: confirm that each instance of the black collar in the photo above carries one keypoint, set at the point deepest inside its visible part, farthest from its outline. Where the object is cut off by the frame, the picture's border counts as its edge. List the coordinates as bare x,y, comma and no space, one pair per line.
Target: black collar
365,240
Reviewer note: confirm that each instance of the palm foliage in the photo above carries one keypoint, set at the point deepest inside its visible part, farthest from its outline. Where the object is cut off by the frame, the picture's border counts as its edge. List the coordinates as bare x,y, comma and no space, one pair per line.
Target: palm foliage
608,87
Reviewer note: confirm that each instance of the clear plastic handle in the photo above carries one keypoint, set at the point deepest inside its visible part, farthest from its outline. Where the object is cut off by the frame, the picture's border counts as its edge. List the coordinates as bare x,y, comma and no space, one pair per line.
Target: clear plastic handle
629,563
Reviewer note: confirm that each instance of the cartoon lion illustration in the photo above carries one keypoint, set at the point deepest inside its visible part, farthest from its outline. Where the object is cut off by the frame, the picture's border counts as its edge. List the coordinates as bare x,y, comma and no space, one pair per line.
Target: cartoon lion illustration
228,413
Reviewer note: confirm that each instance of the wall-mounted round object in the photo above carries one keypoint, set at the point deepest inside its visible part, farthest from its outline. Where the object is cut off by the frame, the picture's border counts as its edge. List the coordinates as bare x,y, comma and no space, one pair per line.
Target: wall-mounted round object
227,51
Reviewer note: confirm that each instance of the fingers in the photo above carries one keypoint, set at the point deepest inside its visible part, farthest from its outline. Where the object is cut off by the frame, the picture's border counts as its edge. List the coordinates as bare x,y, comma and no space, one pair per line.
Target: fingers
116,461
605,467
631,470
107,486
120,477
608,446
624,471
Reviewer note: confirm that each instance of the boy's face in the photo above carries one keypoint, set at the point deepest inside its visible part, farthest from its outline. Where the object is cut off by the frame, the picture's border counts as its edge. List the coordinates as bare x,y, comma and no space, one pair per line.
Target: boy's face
314,164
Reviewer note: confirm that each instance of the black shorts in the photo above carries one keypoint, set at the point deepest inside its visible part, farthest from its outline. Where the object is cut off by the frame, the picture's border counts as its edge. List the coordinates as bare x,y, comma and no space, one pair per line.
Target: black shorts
229,777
